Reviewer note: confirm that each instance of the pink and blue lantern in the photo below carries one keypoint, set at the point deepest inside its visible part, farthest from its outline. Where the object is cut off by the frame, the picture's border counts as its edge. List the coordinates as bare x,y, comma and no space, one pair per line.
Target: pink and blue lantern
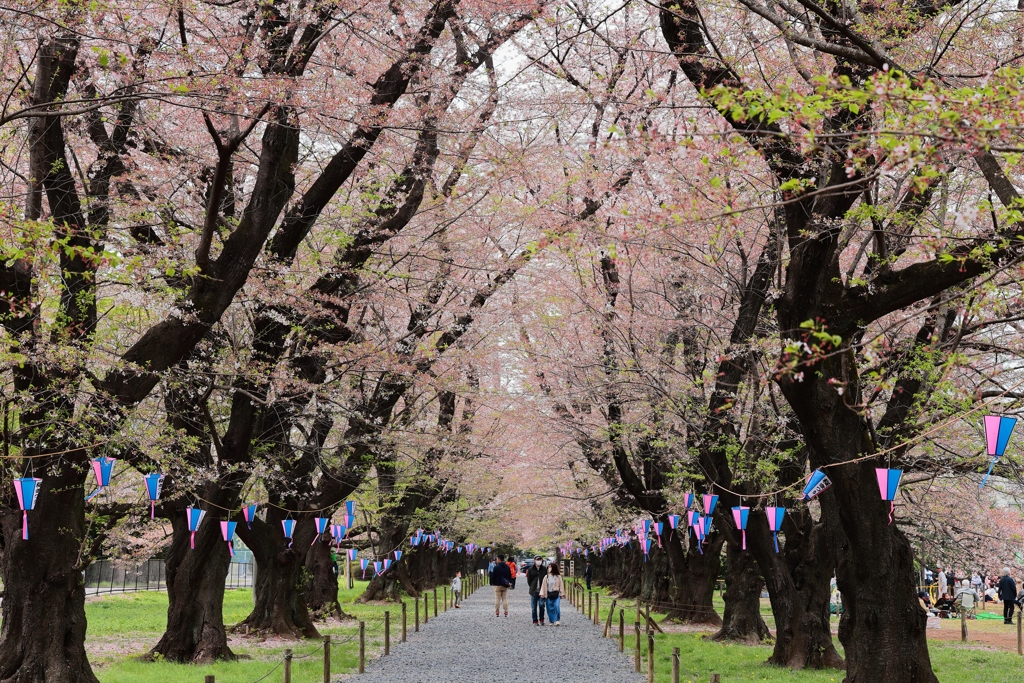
154,487
102,468
321,527
710,503
249,513
288,526
817,484
998,429
398,555
227,530
657,530
350,508
740,515
387,565
377,567
775,517
352,552
27,489
888,485
195,518
688,500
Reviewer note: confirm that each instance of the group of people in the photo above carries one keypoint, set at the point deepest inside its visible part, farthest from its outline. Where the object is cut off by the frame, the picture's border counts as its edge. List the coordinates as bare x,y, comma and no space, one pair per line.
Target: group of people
951,595
544,583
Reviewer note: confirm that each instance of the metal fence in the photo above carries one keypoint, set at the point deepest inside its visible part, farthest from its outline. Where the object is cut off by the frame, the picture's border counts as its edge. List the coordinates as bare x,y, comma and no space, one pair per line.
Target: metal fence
104,576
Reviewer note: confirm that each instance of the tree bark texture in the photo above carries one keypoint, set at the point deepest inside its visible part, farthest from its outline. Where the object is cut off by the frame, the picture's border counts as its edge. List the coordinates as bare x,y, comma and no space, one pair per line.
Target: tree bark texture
741,618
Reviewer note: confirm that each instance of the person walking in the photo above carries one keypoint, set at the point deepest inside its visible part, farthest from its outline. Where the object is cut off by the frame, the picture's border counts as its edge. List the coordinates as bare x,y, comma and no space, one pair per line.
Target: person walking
551,591
1008,594
534,578
588,574
501,579
457,589
940,582
513,570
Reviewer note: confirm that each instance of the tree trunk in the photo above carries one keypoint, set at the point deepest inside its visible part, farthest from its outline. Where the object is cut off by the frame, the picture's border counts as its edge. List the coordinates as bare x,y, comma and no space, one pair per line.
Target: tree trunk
882,628
42,639
694,574
741,618
195,594
798,579
322,595
281,580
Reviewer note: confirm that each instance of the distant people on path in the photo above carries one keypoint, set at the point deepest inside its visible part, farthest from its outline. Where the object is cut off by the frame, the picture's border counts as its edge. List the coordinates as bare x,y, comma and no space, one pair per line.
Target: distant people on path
457,589
551,590
501,579
513,570
940,582
977,583
1008,594
588,573
534,578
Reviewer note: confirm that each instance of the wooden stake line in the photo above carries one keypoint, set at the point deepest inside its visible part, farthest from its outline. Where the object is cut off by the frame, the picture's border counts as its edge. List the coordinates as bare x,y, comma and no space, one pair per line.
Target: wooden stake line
608,623
327,659
675,665
650,657
288,666
362,648
636,650
387,634
404,620
622,630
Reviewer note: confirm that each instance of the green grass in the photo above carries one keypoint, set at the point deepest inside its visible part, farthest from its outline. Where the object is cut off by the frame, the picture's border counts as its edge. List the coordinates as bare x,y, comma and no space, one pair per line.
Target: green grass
123,627
699,658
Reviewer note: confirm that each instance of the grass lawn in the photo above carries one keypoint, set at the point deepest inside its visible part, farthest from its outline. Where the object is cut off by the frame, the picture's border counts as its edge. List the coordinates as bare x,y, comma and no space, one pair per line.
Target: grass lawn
122,627
987,657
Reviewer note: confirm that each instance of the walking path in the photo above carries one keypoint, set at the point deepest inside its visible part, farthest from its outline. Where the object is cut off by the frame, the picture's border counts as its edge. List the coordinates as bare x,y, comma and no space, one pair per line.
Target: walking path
470,644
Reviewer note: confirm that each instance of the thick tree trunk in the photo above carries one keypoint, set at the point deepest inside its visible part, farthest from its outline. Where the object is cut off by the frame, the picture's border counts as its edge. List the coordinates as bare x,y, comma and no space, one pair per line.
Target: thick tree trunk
195,594
694,574
741,619
882,628
322,594
280,588
42,639
798,580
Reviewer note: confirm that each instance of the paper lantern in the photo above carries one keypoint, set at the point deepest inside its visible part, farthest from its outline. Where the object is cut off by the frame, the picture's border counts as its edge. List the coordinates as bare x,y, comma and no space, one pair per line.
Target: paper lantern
998,429
27,489
154,487
364,563
227,530
102,468
376,568
195,518
398,555
387,565
740,515
688,500
352,552
288,525
321,527
775,517
673,521
249,512
350,508
710,503
817,483
888,485
657,530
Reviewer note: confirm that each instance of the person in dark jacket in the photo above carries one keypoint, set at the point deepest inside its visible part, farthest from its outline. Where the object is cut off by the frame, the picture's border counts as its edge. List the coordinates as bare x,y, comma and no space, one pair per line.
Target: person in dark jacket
1008,594
588,574
534,575
501,579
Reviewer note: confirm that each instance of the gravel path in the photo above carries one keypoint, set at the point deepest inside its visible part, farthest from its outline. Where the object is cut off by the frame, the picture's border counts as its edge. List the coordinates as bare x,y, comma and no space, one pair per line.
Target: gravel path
471,644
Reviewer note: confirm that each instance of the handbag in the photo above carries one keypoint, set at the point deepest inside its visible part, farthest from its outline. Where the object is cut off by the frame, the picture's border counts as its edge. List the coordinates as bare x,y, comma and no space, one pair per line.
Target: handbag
552,595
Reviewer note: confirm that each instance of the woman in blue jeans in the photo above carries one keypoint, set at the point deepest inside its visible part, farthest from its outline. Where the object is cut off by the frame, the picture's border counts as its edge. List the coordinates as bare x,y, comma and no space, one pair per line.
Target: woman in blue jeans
551,589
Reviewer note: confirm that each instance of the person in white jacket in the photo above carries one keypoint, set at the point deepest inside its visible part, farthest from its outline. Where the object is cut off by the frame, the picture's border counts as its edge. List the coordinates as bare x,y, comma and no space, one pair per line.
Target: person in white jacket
457,588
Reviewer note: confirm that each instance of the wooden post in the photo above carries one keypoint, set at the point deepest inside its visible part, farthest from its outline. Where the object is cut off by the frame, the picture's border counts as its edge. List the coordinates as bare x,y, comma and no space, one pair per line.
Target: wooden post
435,602
327,659
416,615
647,612
590,605
963,625
1020,635
211,679
426,608
636,650
675,665
650,657
387,633
622,630
638,610
287,666
362,647
715,678
445,598
608,623
597,609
